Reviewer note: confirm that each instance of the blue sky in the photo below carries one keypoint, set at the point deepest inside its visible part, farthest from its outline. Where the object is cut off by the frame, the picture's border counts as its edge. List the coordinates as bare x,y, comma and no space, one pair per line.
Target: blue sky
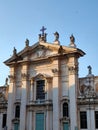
21,19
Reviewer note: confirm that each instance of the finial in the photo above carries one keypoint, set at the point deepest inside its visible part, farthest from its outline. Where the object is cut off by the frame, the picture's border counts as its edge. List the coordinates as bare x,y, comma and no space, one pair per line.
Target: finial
89,69
27,42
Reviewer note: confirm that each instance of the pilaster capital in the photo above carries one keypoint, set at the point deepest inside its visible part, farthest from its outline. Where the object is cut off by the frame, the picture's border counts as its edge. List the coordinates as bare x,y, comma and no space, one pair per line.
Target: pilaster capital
73,70
25,76
12,78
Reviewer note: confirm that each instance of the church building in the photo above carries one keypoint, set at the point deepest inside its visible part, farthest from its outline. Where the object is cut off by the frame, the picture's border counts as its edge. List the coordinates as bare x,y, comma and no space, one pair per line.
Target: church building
43,90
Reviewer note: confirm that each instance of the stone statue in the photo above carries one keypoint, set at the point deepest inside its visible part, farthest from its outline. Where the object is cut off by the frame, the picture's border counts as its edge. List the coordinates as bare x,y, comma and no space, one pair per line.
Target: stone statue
56,34
72,39
27,42
89,69
6,81
14,52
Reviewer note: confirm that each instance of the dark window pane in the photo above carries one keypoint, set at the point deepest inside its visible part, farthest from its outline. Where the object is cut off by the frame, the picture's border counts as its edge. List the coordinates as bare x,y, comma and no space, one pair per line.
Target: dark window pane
83,120
4,120
65,109
96,119
40,85
17,112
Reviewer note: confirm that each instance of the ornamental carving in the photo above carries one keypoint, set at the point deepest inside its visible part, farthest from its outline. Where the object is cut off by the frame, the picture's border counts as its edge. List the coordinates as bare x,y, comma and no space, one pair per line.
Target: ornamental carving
55,71
87,91
73,70
25,76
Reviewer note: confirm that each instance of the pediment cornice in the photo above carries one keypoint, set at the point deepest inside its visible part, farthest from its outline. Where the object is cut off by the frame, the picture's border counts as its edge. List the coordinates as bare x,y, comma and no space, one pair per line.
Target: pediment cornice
40,48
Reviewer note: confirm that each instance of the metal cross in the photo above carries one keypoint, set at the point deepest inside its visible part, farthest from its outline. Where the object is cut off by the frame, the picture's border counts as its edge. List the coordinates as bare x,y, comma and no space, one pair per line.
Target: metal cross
43,29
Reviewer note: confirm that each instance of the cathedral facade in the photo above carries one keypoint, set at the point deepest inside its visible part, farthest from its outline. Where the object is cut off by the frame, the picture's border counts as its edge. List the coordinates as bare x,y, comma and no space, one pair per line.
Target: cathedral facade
44,92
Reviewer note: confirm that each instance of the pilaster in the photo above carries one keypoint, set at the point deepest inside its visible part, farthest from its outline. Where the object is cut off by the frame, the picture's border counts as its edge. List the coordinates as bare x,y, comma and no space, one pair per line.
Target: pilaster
24,77
55,70
31,90
73,82
11,97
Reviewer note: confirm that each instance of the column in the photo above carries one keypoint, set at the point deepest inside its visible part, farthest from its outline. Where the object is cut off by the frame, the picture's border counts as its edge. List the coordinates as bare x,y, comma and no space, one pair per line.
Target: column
56,104
24,77
73,81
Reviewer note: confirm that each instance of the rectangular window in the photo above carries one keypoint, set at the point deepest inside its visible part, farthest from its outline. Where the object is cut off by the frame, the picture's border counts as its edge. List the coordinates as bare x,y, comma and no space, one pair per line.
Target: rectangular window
39,121
83,120
40,87
4,120
96,119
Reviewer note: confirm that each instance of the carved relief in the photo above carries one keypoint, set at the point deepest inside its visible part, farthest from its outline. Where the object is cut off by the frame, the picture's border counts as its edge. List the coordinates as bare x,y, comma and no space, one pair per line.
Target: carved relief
87,91
41,53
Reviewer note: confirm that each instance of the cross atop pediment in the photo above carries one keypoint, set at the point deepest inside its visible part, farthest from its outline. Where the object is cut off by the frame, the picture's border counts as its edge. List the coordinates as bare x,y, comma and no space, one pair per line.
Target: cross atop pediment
43,30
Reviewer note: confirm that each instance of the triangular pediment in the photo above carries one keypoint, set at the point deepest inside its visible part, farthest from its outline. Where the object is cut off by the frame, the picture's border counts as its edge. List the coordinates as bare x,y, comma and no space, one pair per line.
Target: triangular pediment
41,50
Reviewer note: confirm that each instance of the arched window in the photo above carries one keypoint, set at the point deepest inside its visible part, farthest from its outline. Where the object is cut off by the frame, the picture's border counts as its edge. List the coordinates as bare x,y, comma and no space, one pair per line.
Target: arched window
17,111
65,110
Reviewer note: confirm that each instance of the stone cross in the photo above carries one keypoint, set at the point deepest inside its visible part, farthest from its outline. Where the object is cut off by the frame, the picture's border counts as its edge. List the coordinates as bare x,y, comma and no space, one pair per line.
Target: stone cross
42,30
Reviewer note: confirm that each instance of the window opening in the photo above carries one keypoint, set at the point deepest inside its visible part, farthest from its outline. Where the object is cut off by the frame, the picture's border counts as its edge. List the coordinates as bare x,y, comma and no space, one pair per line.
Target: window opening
17,111
83,120
65,110
40,89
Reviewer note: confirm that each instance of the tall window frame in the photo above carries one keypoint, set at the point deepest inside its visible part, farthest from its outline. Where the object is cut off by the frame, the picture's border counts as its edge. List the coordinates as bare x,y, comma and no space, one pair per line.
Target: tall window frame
83,119
40,89
65,110
4,120
17,111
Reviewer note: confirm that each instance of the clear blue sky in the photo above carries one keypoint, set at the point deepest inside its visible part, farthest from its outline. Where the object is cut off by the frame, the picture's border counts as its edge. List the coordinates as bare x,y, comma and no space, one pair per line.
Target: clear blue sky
21,19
